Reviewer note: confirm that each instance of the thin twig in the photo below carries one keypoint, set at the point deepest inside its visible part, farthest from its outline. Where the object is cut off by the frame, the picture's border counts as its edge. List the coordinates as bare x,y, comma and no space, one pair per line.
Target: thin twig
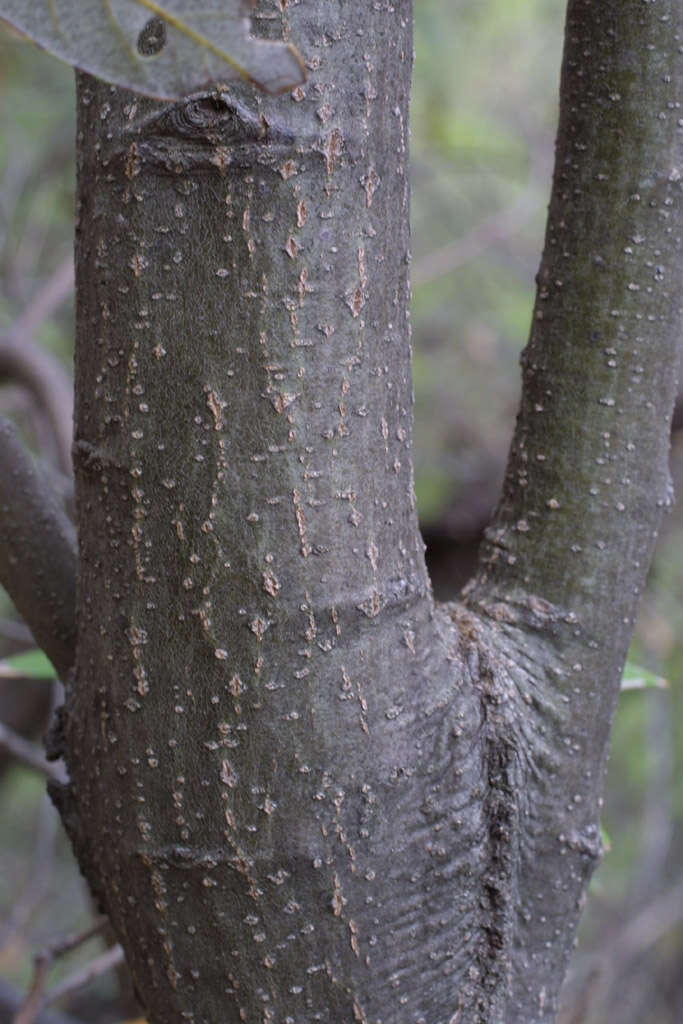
85,975
650,924
69,942
18,632
29,754
38,881
595,980
33,1004
23,360
47,299
495,228
11,999
36,998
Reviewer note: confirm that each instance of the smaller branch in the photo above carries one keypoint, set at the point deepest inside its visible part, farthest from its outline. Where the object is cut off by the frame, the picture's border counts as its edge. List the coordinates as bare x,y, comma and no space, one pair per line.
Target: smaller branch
38,882
80,979
17,632
11,1000
30,1009
26,362
21,406
656,832
38,553
70,942
598,978
29,754
499,226
36,999
496,228
649,925
47,300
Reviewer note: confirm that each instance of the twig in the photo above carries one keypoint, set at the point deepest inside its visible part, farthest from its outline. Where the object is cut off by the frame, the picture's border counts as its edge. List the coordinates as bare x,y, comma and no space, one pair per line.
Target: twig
23,360
33,1004
650,924
36,998
29,754
11,999
38,881
656,830
496,228
47,300
69,942
18,632
35,886
79,979
597,977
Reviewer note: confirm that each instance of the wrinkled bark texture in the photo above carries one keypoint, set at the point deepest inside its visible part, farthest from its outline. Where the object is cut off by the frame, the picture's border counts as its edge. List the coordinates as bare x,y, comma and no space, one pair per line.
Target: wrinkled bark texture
302,791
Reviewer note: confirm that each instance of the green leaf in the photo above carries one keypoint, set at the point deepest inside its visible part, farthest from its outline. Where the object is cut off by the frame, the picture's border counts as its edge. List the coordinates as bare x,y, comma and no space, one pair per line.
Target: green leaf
166,49
635,677
34,664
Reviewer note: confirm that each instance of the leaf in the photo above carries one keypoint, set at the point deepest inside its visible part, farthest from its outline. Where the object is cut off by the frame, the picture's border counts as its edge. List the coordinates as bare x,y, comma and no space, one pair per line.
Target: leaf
33,664
635,677
165,49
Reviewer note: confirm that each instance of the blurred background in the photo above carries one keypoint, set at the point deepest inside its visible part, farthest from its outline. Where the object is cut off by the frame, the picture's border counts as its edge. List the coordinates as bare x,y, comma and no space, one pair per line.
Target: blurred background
483,122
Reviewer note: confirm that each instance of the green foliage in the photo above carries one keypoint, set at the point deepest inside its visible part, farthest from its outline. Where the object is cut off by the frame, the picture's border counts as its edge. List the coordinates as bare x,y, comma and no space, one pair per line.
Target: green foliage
30,664
635,677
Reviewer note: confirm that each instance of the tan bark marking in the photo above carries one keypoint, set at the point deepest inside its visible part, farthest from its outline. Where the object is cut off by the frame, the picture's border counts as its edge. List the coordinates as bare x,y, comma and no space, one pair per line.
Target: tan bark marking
138,262
271,584
301,523
132,162
288,169
371,183
332,149
228,777
221,158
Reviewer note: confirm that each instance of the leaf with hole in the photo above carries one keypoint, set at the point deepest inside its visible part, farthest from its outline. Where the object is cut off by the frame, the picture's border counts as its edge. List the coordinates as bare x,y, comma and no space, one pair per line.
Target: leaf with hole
166,49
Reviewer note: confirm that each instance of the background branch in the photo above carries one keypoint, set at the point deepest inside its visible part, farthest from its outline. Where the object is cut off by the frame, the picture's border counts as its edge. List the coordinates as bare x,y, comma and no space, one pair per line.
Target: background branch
38,554
11,999
28,753
22,360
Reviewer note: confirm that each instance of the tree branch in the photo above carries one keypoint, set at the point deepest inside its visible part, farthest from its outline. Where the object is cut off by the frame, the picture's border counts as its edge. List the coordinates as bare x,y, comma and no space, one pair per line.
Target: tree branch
23,360
86,975
28,753
38,552
566,555
588,466
495,228
30,1009
11,1000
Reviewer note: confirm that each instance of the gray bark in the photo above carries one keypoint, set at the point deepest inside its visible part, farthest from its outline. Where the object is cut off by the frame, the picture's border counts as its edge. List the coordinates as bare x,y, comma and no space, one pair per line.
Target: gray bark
301,790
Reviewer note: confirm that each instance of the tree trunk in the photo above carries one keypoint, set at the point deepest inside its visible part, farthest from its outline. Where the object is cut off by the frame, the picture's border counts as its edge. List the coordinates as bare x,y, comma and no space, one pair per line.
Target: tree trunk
301,790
